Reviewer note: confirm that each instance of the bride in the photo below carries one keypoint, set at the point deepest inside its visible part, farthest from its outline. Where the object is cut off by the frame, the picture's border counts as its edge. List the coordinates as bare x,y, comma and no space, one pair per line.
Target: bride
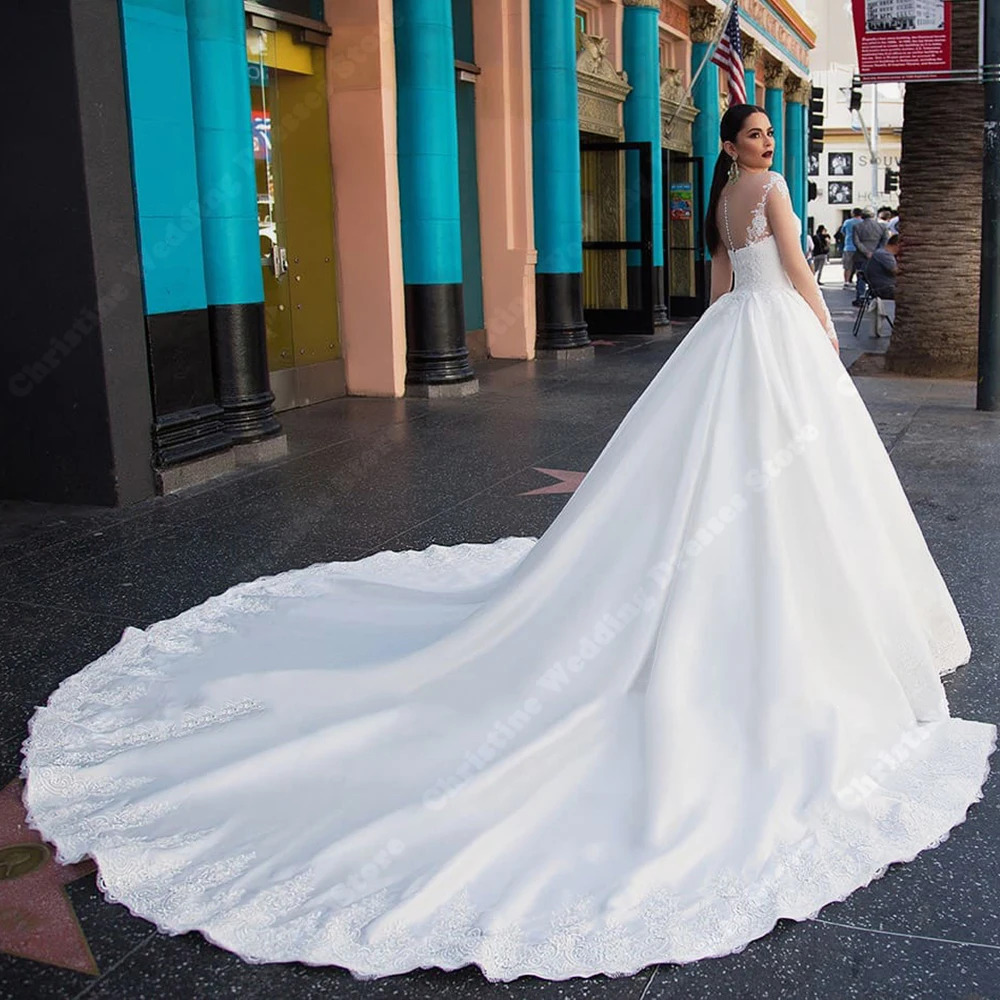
675,718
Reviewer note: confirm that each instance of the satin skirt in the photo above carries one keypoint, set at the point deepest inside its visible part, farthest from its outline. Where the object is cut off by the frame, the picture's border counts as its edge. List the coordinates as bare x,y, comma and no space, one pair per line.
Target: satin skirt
708,697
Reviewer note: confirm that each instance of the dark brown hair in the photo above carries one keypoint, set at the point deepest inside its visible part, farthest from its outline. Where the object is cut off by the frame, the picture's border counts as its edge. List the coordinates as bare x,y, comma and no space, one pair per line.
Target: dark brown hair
729,129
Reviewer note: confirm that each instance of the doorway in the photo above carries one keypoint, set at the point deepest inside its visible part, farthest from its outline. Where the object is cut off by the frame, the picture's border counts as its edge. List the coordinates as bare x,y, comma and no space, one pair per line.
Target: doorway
617,209
685,266
290,124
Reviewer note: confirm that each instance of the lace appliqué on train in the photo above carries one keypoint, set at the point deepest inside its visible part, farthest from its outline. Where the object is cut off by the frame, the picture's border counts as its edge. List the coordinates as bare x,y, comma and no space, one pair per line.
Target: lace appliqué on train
301,918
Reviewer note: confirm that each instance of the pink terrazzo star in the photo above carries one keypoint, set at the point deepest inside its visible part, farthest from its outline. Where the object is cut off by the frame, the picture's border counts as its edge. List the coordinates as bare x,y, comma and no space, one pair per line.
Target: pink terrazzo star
36,917
568,482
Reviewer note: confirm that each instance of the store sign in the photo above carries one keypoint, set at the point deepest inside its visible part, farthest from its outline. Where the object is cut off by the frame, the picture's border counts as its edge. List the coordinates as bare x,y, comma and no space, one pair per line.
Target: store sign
681,201
902,39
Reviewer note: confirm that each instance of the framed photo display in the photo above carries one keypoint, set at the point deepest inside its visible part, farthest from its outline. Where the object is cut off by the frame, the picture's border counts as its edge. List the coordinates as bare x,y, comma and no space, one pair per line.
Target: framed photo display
840,164
840,192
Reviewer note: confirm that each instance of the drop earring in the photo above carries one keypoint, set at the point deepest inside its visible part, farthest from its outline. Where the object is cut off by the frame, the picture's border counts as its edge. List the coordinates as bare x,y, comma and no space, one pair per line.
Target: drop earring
734,171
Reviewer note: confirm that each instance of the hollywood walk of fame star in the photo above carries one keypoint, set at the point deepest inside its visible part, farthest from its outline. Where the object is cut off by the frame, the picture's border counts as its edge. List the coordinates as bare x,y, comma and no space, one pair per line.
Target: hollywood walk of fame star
568,482
605,343
36,917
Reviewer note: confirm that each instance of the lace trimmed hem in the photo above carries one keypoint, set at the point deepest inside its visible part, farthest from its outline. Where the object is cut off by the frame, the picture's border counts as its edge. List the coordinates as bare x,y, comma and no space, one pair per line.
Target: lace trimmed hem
847,847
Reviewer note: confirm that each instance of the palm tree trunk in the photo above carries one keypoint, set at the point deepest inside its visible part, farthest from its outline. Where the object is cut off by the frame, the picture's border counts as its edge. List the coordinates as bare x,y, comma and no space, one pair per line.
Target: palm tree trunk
937,293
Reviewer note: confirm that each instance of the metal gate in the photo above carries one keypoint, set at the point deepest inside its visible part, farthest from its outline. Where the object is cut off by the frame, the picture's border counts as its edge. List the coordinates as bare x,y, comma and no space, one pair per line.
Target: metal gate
616,188
686,271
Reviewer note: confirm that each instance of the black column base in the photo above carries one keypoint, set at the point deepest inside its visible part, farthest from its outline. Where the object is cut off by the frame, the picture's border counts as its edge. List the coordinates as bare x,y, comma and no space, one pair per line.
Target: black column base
559,312
189,434
242,383
436,352
661,312
187,421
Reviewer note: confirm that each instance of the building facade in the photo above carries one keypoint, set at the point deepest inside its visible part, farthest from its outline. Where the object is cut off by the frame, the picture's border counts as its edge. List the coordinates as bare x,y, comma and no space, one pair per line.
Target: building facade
272,204
858,146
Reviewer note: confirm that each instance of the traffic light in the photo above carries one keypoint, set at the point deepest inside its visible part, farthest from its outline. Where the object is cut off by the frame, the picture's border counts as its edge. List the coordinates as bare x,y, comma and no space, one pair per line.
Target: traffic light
816,120
855,103
813,191
891,180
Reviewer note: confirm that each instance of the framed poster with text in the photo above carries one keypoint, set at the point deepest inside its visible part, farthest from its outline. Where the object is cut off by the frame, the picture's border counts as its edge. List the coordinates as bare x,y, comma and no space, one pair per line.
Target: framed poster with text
902,39
681,201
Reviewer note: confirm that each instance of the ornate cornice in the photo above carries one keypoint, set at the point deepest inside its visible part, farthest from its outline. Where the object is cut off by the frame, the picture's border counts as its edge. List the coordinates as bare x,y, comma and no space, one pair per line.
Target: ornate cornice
675,108
601,88
704,23
766,20
797,90
795,21
752,51
651,4
774,73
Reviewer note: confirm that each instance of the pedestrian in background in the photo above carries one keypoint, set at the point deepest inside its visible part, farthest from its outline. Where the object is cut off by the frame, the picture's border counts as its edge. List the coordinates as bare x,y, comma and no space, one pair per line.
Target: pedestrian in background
869,235
820,252
848,256
882,269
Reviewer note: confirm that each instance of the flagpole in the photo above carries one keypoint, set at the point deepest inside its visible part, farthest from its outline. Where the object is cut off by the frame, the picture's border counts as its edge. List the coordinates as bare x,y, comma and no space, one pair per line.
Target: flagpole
708,54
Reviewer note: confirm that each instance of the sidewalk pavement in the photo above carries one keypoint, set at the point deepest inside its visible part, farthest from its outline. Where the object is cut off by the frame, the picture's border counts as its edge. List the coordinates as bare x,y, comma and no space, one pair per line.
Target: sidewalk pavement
368,474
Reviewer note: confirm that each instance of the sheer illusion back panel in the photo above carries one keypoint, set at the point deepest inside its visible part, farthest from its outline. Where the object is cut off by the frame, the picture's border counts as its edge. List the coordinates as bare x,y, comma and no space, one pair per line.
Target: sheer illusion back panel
743,209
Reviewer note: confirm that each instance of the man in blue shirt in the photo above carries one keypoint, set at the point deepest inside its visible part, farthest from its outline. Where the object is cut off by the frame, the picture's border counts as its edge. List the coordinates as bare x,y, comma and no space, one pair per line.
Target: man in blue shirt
849,248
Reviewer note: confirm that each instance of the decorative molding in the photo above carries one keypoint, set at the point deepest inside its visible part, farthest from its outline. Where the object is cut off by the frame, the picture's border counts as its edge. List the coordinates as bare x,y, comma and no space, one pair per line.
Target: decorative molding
675,108
797,90
651,4
770,23
774,73
601,88
704,23
676,16
795,21
752,52
672,89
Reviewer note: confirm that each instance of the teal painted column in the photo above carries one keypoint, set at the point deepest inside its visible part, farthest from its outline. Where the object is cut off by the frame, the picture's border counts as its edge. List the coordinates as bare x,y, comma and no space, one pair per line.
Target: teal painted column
220,95
187,420
750,81
795,167
555,137
468,170
807,91
437,358
641,63
774,104
705,95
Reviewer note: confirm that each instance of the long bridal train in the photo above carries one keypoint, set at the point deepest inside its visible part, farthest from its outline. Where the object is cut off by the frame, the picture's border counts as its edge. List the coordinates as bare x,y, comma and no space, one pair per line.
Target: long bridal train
707,698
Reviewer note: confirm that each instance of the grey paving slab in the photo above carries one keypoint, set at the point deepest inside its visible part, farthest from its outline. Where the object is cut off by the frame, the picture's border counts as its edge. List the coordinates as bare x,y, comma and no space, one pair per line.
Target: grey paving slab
811,960
44,645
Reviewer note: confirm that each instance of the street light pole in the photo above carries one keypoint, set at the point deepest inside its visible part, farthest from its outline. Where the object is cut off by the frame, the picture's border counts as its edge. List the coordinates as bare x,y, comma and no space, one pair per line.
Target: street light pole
988,381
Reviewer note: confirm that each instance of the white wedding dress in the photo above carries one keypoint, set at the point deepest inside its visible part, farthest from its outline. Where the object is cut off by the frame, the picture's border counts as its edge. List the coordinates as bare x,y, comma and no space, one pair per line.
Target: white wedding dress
707,698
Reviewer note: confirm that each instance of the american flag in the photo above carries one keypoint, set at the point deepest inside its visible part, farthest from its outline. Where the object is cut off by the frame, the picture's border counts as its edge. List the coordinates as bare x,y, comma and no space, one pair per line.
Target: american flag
729,55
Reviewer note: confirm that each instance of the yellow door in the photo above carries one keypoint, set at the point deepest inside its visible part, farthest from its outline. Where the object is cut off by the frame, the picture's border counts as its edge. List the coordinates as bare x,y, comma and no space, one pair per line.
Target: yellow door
295,215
